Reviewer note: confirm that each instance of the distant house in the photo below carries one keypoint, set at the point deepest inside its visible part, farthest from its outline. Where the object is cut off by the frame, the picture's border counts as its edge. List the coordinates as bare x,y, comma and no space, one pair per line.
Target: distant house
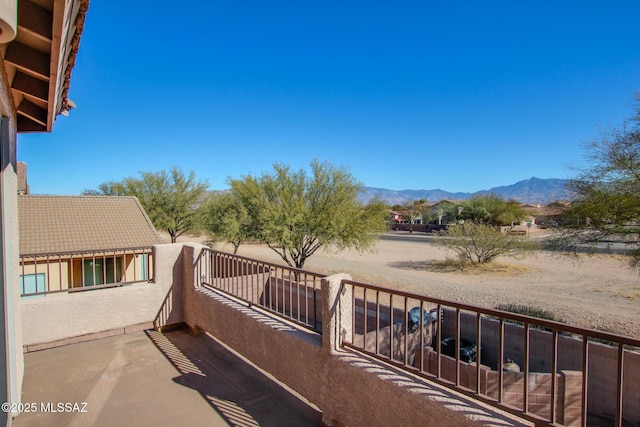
529,206
445,211
72,242
396,217
399,221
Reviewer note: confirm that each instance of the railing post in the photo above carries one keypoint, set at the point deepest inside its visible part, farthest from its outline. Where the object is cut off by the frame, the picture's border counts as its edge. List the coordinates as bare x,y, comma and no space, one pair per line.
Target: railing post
337,312
187,282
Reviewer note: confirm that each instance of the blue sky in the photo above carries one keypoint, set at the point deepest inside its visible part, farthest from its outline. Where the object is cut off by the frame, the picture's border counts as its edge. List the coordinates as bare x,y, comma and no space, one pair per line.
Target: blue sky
460,96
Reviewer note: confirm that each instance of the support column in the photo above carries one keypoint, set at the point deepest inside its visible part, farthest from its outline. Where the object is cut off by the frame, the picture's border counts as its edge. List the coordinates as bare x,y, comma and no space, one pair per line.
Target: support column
337,312
11,359
190,281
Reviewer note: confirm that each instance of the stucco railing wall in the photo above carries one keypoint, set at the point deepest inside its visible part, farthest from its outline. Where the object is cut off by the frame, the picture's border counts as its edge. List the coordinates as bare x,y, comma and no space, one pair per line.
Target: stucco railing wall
63,318
348,388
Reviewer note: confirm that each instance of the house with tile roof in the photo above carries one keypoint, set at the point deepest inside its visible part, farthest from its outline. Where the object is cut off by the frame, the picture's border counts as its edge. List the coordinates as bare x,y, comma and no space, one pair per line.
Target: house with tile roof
75,242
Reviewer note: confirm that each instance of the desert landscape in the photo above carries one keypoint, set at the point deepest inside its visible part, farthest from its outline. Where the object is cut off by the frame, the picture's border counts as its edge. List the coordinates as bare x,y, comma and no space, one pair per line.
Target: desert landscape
592,291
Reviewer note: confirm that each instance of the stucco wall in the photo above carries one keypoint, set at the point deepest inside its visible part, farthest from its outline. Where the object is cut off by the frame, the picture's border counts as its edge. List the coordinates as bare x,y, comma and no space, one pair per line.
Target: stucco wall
11,360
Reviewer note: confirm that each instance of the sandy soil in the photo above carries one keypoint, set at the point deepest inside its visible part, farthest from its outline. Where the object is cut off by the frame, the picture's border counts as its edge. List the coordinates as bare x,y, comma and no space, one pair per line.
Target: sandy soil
598,292
594,291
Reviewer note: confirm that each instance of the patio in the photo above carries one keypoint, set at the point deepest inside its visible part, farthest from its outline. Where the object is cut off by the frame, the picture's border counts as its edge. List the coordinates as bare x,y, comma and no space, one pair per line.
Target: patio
152,378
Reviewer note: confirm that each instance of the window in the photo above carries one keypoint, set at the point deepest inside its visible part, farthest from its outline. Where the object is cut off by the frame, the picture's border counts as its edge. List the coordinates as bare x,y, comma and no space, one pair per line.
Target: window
145,267
101,271
31,284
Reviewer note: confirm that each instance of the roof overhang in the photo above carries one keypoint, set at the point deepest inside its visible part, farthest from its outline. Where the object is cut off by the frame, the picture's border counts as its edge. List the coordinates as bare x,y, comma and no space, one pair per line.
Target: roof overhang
39,61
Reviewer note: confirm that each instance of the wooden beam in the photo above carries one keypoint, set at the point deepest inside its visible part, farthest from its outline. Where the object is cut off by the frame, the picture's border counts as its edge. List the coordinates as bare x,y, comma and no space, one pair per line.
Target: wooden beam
28,60
26,125
31,86
35,19
32,111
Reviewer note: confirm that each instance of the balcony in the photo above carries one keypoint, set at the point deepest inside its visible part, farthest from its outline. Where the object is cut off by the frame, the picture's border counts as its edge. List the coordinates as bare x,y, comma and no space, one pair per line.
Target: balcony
42,274
351,349
150,378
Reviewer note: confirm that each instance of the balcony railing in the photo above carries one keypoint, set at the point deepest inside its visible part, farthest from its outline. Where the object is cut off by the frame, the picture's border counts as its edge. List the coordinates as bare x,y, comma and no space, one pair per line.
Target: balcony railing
547,372
285,291
544,371
42,274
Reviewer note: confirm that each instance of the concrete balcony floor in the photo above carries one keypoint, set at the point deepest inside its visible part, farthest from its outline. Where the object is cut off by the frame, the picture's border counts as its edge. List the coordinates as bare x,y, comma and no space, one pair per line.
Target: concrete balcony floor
152,378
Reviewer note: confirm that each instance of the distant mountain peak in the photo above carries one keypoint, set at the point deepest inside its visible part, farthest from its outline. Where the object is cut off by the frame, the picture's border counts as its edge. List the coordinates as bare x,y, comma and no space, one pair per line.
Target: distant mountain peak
533,190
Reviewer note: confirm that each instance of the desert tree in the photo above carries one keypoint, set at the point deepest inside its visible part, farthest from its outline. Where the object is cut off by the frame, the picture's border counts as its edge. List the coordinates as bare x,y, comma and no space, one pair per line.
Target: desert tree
170,198
109,188
478,243
492,209
425,210
410,211
606,194
445,211
478,239
225,218
295,213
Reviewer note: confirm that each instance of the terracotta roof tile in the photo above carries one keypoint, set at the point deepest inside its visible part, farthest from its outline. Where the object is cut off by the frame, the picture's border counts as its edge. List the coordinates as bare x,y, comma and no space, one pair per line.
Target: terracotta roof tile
51,224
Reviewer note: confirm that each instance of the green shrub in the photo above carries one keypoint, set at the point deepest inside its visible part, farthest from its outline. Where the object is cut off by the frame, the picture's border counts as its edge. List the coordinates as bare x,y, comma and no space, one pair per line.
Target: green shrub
480,243
528,310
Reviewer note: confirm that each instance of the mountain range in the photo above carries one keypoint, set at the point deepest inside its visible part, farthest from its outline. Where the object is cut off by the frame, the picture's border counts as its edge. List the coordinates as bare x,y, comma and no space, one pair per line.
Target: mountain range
533,190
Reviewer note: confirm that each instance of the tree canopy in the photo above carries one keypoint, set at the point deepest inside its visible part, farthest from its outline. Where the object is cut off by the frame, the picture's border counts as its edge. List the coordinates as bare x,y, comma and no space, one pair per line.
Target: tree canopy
491,209
170,198
225,218
446,212
109,188
296,213
606,205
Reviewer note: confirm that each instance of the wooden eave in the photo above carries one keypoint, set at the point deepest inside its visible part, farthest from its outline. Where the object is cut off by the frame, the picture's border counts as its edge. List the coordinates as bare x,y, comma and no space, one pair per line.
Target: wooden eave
39,61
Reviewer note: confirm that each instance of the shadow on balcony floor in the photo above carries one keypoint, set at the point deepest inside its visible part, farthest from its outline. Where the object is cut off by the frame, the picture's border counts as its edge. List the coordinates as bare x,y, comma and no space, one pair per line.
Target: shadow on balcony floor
152,378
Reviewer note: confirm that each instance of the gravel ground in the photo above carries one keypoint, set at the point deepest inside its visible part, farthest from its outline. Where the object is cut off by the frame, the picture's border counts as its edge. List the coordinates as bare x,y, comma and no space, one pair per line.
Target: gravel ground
597,292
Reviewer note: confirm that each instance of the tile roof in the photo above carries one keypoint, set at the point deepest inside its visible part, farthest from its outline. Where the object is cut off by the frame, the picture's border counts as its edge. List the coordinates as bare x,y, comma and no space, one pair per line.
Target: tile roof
51,224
